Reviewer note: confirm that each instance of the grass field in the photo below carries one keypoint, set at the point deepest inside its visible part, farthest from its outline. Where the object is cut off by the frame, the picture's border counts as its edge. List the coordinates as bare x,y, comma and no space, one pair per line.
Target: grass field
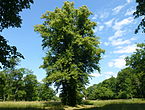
132,104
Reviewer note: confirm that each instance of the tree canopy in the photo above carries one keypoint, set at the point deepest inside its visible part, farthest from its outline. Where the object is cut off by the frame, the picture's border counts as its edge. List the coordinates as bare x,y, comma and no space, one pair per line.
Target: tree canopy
9,17
140,12
73,49
137,62
22,85
9,14
7,53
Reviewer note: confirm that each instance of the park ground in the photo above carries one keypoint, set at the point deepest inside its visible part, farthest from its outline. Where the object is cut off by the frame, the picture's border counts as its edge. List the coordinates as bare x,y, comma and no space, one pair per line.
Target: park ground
122,104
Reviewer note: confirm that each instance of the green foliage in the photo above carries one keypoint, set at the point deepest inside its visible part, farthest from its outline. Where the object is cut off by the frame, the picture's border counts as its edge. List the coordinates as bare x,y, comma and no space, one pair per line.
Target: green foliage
9,14
46,93
73,49
90,95
125,86
104,90
111,85
13,84
124,83
21,84
31,83
140,12
17,83
7,54
103,93
9,17
137,62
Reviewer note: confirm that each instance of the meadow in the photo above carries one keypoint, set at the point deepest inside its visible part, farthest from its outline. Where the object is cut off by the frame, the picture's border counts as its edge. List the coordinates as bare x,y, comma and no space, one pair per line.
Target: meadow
129,104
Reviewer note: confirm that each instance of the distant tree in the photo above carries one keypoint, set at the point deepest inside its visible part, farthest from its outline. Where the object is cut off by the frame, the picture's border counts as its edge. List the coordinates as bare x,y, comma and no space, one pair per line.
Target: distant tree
9,17
90,94
12,84
99,92
128,84
110,84
140,12
125,87
31,87
45,93
104,93
137,59
73,49
137,62
5,83
18,85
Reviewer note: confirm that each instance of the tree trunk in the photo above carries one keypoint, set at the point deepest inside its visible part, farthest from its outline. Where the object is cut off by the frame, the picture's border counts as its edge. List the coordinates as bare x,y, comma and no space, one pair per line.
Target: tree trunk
69,92
72,101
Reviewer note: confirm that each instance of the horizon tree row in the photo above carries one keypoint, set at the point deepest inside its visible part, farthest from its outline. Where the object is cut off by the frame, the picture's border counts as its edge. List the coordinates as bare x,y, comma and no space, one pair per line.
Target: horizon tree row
21,85
129,83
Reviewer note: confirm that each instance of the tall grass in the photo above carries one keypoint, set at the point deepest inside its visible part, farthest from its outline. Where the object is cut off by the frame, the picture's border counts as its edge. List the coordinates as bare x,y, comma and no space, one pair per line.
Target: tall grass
36,105
121,104
130,104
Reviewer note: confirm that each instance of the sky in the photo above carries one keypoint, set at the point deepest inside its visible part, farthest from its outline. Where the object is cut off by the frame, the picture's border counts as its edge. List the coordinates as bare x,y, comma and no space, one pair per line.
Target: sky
115,27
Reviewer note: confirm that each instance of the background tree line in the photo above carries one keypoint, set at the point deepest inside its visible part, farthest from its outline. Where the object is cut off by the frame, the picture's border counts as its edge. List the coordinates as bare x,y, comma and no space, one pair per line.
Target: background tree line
129,83
21,85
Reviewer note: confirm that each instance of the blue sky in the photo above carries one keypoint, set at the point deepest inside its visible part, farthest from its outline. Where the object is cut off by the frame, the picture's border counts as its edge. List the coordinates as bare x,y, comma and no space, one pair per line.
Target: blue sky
115,27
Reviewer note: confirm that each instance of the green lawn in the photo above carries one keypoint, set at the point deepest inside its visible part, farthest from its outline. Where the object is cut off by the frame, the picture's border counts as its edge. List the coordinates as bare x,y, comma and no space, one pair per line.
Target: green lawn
134,104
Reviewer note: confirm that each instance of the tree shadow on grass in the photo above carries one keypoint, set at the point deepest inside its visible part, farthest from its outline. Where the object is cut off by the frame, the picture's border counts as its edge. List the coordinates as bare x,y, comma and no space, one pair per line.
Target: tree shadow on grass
53,106
15,108
133,106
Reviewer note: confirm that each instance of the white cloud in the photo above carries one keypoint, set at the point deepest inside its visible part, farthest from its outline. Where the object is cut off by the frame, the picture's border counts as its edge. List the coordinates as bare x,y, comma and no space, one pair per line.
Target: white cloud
98,28
119,25
109,73
118,28
104,56
129,12
106,43
109,23
117,9
129,1
119,47
110,64
103,15
118,63
127,49
95,74
95,16
117,34
121,42
133,38
107,76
